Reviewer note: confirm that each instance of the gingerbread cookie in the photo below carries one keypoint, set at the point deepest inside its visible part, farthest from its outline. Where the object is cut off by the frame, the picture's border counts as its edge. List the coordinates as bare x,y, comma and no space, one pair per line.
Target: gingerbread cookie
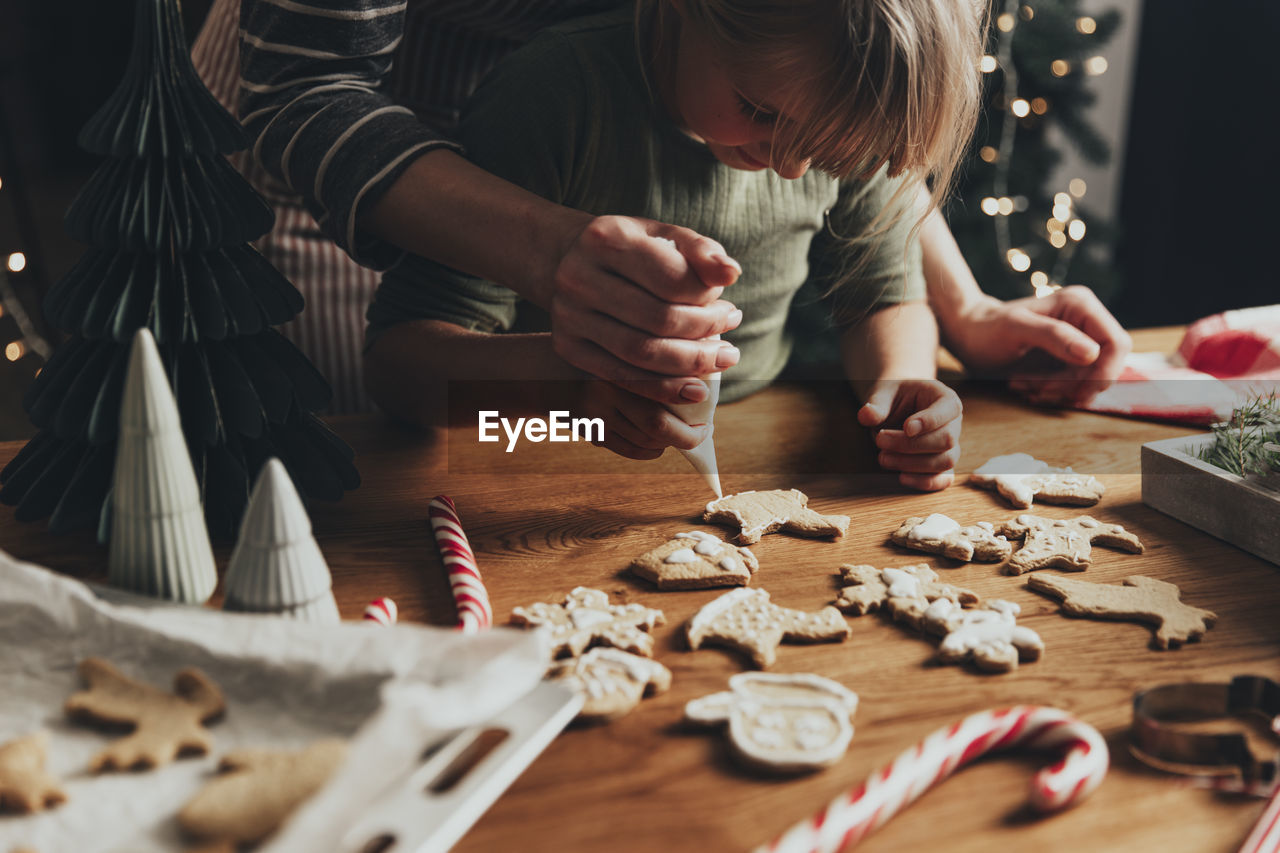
1062,543
746,620
989,635
781,723
1021,478
25,785
696,560
165,725
1141,598
903,592
586,618
941,534
611,682
758,513
256,789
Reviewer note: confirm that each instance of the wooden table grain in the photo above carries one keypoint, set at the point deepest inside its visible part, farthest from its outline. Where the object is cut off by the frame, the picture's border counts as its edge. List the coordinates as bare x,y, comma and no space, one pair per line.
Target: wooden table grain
547,518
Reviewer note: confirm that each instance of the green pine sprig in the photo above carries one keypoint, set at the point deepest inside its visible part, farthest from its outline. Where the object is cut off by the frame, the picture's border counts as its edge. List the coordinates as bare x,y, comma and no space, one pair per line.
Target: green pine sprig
1248,443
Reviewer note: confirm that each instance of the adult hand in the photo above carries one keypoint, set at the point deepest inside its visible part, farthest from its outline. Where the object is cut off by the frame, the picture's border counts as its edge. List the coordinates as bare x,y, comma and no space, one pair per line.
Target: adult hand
918,430
634,426
1061,348
634,301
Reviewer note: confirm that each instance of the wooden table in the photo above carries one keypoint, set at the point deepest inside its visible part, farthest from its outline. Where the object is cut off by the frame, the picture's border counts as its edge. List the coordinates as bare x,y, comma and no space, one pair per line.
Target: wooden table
644,782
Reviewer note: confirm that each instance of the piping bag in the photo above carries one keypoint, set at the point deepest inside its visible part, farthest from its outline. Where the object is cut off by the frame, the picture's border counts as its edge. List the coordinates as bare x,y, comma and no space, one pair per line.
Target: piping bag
703,457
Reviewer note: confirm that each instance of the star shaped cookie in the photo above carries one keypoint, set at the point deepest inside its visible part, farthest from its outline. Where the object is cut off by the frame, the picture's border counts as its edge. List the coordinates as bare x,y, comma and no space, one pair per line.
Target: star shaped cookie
1062,543
1021,478
586,618
696,560
941,534
758,513
746,620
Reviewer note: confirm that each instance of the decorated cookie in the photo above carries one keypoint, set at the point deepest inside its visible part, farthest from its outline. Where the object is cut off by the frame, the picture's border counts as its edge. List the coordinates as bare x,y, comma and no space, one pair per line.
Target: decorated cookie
696,560
611,682
25,785
989,635
165,725
256,789
903,592
781,723
1021,479
1139,598
746,620
586,618
758,513
941,534
1062,543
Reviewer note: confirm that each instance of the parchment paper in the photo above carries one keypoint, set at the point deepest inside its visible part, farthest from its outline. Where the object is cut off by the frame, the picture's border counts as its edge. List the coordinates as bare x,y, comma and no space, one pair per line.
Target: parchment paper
286,683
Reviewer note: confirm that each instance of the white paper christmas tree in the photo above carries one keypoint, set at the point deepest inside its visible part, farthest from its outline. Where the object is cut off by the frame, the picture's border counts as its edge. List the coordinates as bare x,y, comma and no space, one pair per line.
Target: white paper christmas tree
159,544
277,566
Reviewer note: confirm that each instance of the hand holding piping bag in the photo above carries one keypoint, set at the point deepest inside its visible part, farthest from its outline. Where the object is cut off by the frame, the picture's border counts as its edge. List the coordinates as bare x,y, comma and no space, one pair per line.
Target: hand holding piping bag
703,457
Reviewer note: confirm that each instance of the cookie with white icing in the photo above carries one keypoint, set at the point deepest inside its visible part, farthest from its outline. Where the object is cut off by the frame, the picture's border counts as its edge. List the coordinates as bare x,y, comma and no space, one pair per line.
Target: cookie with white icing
696,560
941,534
990,635
781,723
1062,543
1021,479
746,620
611,682
586,618
1138,598
904,592
756,514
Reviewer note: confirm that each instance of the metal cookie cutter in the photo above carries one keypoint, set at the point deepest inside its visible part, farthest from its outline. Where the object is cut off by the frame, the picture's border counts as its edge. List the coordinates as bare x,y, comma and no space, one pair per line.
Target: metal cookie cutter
1159,741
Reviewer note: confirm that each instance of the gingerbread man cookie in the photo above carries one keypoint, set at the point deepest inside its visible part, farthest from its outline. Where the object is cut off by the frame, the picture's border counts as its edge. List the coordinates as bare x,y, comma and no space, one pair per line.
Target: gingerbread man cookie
586,618
256,789
696,560
1021,478
746,620
758,513
165,725
989,635
1062,543
781,723
903,592
611,682
1140,598
25,785
941,534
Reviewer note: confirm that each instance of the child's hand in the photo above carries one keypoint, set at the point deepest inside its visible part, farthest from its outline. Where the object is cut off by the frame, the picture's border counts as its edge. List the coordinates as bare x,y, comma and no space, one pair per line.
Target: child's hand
634,426
918,423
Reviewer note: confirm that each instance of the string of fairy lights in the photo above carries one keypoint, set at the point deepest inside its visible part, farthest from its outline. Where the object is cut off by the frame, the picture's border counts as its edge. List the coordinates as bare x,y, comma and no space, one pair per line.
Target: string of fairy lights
28,340
1063,229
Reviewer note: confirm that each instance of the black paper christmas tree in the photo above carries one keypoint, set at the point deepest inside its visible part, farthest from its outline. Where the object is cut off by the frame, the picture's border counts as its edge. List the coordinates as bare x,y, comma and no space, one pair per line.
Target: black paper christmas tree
168,223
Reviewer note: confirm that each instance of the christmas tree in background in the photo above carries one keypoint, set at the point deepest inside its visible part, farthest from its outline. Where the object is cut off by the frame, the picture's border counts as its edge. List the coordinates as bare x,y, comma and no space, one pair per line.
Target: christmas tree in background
168,222
1020,234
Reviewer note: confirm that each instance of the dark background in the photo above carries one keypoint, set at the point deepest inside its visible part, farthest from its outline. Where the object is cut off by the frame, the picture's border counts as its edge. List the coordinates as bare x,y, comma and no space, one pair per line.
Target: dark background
1199,212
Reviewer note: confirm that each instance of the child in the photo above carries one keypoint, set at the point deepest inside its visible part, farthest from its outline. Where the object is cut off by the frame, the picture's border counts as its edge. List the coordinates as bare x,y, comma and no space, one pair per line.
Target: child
683,113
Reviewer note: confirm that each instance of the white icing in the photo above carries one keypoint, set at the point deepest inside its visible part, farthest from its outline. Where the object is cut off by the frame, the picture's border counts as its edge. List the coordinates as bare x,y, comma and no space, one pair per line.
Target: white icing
901,584
703,457
707,544
987,526
771,719
729,564
1026,519
584,617
768,738
1017,464
1088,522
683,555
936,526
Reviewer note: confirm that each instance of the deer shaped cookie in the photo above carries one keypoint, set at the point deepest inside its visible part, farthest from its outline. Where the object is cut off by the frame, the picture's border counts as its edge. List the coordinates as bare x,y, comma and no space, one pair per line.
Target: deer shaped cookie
1139,598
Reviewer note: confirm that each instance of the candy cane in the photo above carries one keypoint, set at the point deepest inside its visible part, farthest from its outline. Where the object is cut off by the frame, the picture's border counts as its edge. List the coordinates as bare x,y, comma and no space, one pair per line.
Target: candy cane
852,816
472,599
1265,837
381,610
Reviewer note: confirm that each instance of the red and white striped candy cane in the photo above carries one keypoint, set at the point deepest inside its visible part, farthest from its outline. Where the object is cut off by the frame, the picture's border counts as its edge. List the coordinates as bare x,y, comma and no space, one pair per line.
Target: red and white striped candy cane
381,610
1265,837
853,815
469,594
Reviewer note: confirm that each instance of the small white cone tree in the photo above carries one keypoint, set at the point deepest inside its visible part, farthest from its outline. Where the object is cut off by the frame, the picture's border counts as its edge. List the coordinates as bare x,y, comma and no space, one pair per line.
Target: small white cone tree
159,543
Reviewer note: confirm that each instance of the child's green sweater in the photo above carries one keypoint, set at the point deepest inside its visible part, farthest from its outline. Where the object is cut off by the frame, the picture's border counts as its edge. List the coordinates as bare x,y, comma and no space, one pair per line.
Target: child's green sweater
569,117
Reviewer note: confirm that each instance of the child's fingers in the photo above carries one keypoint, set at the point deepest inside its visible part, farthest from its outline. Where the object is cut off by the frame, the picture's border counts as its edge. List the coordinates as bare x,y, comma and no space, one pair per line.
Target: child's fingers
941,412
927,482
878,405
897,441
920,463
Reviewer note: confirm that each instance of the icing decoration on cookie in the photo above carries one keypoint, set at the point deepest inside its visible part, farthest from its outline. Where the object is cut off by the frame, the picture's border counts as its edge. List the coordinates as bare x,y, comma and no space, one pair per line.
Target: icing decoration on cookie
25,785
758,513
1062,543
746,620
989,635
1139,598
586,618
941,534
611,682
903,592
696,560
165,725
781,723
1021,478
